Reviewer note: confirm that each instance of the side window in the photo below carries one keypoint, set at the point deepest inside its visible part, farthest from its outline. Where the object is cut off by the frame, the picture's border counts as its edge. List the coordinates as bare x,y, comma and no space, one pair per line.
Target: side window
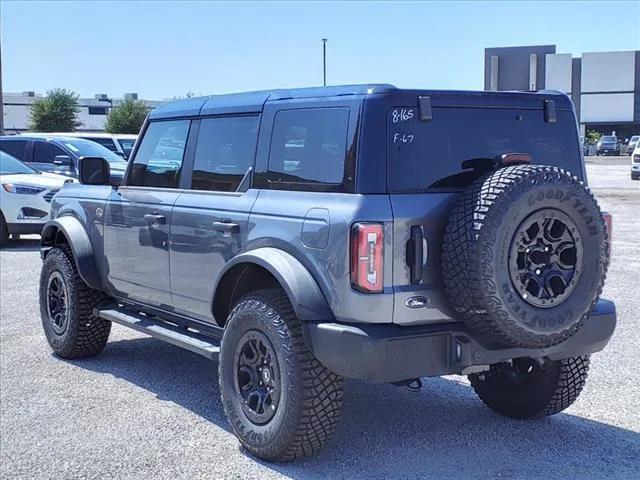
105,142
158,162
17,148
308,148
224,152
45,152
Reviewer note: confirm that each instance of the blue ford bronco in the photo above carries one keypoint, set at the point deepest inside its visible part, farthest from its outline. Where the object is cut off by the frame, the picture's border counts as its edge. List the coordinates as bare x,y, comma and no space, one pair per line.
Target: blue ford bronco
302,236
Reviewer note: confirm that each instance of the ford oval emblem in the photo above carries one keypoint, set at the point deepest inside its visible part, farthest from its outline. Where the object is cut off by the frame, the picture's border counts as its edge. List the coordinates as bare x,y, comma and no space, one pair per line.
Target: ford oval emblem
417,302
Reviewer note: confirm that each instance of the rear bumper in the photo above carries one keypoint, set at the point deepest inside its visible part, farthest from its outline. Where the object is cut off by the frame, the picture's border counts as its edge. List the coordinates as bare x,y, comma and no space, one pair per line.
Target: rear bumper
388,353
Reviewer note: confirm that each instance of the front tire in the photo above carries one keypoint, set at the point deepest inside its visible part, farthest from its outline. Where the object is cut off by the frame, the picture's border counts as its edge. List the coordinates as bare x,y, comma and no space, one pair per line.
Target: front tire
280,401
4,231
66,308
527,389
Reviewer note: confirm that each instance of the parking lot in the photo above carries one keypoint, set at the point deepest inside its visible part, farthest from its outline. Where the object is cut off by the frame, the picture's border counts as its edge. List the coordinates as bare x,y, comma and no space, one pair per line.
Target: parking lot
145,409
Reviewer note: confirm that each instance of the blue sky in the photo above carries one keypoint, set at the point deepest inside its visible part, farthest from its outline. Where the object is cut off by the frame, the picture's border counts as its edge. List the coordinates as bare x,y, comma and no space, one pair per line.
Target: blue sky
165,49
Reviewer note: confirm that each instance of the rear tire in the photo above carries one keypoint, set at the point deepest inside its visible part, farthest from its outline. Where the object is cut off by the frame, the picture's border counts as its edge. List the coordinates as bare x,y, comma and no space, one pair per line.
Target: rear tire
526,389
282,404
66,308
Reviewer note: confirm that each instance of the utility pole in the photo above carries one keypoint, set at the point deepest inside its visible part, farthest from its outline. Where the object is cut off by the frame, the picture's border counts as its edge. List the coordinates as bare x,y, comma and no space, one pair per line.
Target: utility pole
324,62
1,97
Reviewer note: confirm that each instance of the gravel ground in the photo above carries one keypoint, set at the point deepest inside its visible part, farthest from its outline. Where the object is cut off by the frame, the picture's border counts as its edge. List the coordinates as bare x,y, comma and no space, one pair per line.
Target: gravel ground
144,409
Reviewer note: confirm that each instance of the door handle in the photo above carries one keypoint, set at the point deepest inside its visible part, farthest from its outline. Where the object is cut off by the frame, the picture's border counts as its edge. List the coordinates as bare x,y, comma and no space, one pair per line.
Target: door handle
226,226
155,220
415,254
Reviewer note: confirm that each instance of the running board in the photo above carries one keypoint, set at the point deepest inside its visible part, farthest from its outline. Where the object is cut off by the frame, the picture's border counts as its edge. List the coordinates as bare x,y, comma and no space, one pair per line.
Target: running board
180,337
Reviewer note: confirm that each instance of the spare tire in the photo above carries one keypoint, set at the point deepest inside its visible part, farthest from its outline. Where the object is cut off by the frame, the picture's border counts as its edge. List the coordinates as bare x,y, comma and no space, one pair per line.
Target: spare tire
525,254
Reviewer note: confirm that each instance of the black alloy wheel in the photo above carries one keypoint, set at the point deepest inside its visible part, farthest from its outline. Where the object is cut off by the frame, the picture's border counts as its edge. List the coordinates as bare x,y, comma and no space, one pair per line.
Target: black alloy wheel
546,258
257,377
57,298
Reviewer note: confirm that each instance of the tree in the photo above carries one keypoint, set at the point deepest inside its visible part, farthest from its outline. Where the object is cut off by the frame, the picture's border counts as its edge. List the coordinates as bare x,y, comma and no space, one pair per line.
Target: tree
593,136
127,117
55,112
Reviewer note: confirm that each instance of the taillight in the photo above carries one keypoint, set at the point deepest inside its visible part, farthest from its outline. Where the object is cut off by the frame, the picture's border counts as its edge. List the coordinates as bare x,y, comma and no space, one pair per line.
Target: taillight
367,253
608,221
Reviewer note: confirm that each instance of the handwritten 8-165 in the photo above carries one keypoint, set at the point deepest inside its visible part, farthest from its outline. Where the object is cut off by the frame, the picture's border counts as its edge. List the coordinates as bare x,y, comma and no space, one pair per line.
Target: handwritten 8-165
401,115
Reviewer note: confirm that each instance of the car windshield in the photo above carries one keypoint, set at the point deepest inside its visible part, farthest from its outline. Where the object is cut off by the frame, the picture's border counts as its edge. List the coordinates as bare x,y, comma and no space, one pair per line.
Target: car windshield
634,139
127,145
87,148
11,165
608,139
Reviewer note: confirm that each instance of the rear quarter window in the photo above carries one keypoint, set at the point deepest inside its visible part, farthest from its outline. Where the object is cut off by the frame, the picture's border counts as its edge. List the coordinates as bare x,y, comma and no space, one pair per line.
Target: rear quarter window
424,155
308,151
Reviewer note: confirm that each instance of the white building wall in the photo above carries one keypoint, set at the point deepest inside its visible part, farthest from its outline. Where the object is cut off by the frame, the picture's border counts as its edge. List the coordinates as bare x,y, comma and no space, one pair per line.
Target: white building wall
606,107
558,72
608,72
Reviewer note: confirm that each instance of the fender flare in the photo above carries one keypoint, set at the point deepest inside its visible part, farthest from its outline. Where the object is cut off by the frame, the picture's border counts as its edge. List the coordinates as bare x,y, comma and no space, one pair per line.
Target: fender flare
306,298
80,245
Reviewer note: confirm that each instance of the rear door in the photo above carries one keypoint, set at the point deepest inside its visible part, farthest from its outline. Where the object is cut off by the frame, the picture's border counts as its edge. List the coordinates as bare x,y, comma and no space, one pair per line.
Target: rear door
426,175
138,216
210,222
16,148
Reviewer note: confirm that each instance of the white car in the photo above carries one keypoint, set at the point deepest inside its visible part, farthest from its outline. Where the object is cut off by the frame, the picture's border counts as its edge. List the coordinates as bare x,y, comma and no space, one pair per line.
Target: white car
635,163
120,143
25,197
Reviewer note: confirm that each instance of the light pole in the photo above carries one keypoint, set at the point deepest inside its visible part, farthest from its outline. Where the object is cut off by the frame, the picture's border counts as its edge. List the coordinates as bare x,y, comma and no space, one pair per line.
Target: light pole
1,97
324,62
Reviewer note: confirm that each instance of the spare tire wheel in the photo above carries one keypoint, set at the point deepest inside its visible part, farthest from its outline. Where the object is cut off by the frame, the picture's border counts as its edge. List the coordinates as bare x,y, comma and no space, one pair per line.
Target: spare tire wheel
525,254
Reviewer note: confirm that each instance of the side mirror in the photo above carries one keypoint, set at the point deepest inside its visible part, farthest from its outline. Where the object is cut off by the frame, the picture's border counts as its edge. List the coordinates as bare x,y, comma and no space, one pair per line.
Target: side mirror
94,171
62,160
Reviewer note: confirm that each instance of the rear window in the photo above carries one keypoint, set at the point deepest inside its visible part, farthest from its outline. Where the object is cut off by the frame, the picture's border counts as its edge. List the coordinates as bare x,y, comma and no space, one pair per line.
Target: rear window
430,154
224,152
127,145
608,139
105,142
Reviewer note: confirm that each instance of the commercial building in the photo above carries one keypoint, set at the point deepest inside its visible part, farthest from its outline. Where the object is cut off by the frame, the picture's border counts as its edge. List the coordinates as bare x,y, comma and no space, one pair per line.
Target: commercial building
604,86
93,111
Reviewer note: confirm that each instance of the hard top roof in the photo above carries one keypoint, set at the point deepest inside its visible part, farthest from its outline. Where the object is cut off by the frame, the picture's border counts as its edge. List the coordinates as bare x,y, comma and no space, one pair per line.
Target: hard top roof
253,102
250,102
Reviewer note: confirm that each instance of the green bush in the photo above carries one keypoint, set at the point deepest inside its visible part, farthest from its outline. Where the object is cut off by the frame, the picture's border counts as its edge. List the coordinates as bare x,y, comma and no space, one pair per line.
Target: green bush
55,112
127,117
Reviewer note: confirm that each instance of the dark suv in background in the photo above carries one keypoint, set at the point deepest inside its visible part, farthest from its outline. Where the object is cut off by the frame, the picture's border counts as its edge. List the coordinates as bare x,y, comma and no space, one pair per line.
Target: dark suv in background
58,154
608,145
303,236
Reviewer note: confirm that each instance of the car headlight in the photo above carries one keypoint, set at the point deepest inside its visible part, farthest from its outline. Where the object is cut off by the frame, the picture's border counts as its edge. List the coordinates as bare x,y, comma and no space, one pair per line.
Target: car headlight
22,189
